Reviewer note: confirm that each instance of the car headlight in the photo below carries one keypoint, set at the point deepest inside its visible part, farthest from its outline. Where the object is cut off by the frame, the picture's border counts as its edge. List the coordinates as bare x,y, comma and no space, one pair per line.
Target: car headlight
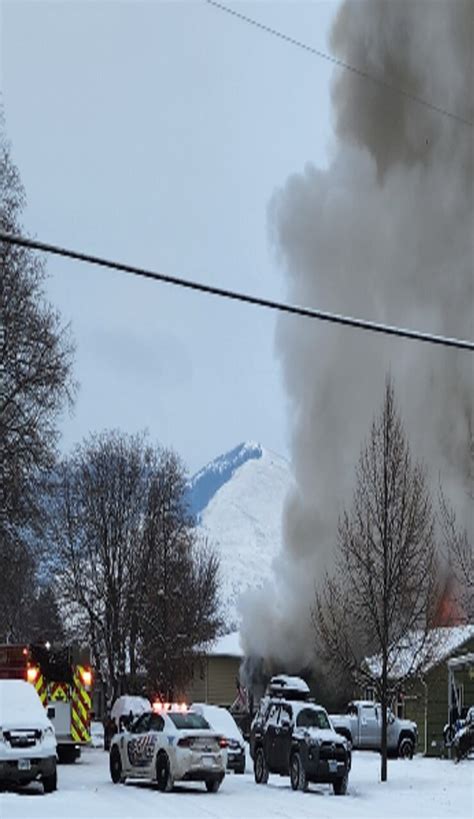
48,732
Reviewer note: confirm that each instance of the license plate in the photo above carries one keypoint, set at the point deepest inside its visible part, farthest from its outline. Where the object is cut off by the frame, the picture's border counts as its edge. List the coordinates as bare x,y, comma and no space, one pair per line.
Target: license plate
332,766
24,764
208,761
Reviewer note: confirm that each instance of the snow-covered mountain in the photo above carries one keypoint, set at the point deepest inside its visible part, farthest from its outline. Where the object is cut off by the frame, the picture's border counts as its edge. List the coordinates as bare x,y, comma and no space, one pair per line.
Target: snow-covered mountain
238,501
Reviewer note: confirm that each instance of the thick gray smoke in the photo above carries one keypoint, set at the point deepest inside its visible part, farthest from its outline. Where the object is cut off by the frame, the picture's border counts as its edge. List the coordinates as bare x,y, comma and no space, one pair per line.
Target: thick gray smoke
386,232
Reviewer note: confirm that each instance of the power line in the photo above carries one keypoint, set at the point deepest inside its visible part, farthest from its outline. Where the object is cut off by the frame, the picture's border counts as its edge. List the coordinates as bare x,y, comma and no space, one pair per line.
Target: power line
339,63
307,312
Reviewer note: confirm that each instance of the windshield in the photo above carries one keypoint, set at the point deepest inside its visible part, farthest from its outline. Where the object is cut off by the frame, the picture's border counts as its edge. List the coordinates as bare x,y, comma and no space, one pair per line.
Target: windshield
312,718
188,721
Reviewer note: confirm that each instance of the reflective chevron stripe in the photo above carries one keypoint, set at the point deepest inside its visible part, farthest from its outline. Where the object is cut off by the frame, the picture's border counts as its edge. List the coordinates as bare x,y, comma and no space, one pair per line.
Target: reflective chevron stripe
41,688
80,707
58,692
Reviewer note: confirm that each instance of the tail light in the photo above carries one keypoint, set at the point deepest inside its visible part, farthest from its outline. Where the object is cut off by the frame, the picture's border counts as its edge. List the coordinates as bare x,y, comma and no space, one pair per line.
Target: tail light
222,742
185,742
31,674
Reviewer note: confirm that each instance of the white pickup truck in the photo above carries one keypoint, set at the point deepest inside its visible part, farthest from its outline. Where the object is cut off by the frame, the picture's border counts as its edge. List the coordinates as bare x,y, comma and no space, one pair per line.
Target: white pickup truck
362,726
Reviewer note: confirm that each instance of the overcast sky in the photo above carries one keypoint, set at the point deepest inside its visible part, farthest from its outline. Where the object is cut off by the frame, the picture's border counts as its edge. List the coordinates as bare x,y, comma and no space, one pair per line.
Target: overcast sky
155,133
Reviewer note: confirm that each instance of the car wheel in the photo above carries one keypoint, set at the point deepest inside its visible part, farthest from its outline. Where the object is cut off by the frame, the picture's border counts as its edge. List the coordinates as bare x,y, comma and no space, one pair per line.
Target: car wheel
260,767
115,765
50,783
213,785
67,756
240,770
163,773
340,785
406,748
297,773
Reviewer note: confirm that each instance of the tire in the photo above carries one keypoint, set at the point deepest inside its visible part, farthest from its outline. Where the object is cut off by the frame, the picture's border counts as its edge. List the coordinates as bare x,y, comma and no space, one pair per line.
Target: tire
406,747
164,779
297,773
115,766
50,783
260,768
340,785
213,785
240,770
67,756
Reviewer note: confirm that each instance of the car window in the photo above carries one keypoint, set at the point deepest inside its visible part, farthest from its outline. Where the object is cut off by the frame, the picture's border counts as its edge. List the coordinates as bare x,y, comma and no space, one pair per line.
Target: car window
272,716
141,725
312,718
188,720
157,723
285,715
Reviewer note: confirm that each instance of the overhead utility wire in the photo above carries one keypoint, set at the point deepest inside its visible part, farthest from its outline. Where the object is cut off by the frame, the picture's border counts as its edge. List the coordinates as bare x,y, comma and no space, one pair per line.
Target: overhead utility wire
307,312
340,63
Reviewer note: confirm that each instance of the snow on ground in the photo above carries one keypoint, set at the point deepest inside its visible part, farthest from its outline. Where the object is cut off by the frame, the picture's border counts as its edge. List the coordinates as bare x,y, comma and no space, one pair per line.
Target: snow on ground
420,788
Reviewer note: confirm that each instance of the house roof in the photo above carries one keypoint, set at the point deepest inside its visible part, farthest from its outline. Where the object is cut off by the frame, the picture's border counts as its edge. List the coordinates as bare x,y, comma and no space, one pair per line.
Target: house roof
226,646
417,654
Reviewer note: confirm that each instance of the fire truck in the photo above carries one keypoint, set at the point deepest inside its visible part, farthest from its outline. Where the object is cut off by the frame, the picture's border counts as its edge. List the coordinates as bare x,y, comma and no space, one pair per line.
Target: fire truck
62,677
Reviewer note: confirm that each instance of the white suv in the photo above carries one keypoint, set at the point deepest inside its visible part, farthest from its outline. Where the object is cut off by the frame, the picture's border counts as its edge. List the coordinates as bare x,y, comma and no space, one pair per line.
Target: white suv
169,744
27,738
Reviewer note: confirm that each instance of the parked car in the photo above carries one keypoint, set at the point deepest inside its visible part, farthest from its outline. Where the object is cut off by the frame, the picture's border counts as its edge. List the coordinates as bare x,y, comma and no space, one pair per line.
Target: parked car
362,726
294,737
223,722
27,738
169,744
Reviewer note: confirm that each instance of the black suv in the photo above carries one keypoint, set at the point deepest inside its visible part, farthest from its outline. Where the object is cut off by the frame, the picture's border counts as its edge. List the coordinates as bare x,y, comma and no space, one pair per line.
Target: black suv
295,737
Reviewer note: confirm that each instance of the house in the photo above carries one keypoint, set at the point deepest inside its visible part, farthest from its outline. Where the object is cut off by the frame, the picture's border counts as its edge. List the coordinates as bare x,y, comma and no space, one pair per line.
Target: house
216,672
443,683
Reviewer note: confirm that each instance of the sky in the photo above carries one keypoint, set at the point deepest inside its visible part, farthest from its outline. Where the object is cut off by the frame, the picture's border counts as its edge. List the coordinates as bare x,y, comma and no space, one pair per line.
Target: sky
156,133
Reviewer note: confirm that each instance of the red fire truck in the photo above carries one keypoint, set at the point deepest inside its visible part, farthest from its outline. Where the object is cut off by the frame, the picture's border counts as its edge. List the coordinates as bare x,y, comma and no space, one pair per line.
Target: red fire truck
62,677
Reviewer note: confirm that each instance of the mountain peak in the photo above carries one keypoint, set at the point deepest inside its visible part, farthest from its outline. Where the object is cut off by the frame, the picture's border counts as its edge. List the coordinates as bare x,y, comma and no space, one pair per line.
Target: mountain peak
205,483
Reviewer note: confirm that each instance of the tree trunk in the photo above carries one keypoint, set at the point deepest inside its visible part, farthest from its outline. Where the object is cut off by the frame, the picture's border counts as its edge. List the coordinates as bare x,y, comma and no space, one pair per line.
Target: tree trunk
384,704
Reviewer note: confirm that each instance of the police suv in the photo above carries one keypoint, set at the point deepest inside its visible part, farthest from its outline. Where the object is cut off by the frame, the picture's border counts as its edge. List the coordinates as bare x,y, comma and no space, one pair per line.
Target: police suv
170,743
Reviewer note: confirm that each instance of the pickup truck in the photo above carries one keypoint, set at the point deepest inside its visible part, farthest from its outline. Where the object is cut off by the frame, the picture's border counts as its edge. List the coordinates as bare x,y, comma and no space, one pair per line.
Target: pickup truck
362,726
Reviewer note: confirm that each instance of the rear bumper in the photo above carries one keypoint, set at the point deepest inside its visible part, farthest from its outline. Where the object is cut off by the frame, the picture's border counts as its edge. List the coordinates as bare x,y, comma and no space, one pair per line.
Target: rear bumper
203,775
10,773
236,760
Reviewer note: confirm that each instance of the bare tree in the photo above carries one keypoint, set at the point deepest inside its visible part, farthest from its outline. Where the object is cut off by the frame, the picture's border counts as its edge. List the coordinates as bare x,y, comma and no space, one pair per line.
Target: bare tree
36,385
96,528
180,604
382,598
17,588
123,543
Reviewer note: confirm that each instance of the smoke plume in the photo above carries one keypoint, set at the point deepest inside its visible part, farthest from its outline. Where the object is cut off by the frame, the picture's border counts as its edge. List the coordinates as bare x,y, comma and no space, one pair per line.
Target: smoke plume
385,232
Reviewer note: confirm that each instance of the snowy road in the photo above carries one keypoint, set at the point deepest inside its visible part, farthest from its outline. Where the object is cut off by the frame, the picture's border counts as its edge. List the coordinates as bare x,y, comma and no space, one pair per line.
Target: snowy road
437,789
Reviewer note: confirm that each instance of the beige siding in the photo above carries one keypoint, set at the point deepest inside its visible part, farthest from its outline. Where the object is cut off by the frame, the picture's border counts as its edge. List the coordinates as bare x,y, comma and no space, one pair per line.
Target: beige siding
214,680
